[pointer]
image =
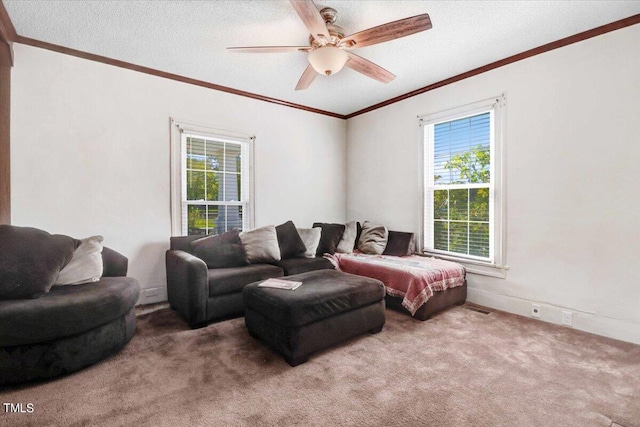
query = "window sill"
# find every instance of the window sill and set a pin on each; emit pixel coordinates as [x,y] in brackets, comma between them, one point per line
[473,267]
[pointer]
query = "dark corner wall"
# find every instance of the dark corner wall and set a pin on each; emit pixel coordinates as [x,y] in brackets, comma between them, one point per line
[6,62]
[5,168]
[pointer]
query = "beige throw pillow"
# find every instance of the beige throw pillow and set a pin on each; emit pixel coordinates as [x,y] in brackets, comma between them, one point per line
[373,239]
[348,240]
[311,239]
[86,264]
[261,244]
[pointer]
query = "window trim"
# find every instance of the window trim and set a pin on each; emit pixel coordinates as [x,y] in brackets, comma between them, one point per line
[178,167]
[498,266]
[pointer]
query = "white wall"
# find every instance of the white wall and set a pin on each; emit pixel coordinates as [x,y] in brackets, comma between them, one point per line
[90,154]
[573,156]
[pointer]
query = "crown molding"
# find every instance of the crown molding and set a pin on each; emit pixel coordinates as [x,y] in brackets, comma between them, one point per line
[7,30]
[166,75]
[616,25]
[8,35]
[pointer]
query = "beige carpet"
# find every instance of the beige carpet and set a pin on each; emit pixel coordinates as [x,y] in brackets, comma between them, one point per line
[461,368]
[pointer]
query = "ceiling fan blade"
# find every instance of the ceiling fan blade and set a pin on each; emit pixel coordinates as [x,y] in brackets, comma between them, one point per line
[307,78]
[269,49]
[308,12]
[388,31]
[368,68]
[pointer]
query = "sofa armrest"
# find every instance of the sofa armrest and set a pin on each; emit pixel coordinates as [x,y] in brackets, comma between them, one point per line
[187,286]
[114,264]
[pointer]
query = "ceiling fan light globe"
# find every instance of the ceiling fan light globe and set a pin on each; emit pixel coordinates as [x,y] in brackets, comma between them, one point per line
[328,59]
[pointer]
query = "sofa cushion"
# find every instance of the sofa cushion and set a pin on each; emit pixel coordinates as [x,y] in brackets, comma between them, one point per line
[322,294]
[231,280]
[302,265]
[373,239]
[30,260]
[85,265]
[311,239]
[400,244]
[221,250]
[66,311]
[261,244]
[348,240]
[330,237]
[289,240]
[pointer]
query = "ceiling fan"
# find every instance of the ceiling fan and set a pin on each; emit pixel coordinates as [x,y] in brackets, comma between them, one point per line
[329,49]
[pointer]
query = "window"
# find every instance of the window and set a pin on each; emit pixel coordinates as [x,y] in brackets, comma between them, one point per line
[211,181]
[462,188]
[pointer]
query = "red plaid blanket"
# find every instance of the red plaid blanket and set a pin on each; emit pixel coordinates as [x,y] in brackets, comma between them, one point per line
[414,278]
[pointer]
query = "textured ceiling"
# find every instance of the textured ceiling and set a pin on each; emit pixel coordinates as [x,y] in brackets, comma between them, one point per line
[189,38]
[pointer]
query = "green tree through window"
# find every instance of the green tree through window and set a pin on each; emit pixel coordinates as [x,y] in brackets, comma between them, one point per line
[461,191]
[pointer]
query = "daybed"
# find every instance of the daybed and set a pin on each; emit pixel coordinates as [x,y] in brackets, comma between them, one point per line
[415,284]
[65,328]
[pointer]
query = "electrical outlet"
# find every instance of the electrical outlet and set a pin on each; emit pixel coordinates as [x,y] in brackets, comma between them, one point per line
[567,318]
[151,292]
[535,310]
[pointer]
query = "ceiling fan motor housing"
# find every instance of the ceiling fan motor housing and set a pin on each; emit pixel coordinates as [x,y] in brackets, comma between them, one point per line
[336,32]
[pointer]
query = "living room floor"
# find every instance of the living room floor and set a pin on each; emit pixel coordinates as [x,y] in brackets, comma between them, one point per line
[460,368]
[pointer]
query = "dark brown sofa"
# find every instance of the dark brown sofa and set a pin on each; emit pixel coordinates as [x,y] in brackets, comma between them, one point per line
[201,295]
[69,327]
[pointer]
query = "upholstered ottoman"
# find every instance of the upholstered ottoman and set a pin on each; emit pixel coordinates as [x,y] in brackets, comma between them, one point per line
[329,307]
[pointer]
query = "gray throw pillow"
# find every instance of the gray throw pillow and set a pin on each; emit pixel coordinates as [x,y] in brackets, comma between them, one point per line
[348,240]
[86,264]
[400,244]
[221,250]
[30,260]
[373,239]
[261,244]
[311,239]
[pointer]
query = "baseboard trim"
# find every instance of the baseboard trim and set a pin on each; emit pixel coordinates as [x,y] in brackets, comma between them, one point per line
[159,296]
[594,323]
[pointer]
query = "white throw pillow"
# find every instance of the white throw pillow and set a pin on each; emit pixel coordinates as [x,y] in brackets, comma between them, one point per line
[348,240]
[261,244]
[311,239]
[86,264]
